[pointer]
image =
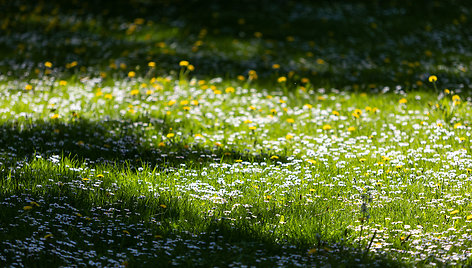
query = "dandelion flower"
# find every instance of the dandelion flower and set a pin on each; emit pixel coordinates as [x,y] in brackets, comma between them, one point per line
[131,74]
[282,79]
[184,63]
[326,127]
[432,78]
[170,135]
[402,101]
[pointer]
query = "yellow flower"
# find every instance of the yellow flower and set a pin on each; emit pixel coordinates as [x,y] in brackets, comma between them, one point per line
[100,176]
[308,106]
[191,67]
[326,127]
[186,108]
[162,206]
[275,66]
[171,102]
[134,92]
[252,128]
[305,80]
[238,161]
[252,75]
[161,144]
[85,179]
[456,125]
[241,78]
[456,98]
[362,160]
[184,63]
[454,212]
[311,161]
[282,79]
[170,135]
[336,113]
[402,101]
[27,207]
[290,120]
[289,137]
[351,129]
[469,217]
[152,64]
[55,116]
[194,102]
[447,91]
[131,74]
[274,157]
[62,83]
[229,90]
[28,87]
[48,64]
[108,96]
[433,79]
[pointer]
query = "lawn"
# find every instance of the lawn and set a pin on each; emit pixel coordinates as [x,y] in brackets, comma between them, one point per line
[235,133]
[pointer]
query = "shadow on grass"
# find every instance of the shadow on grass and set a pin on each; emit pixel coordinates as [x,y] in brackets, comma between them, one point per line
[335,44]
[125,210]
[123,142]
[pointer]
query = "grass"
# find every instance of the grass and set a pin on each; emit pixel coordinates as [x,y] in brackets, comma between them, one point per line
[150,135]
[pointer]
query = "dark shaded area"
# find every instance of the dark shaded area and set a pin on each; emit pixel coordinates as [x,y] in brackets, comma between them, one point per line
[363,44]
[115,142]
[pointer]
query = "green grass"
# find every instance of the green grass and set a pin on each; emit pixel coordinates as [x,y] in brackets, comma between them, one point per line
[345,155]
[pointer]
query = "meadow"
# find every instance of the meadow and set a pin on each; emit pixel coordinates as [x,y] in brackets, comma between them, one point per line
[235,133]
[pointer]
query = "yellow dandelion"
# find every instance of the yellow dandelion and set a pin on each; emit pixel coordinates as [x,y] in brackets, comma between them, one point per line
[288,137]
[311,161]
[28,87]
[163,206]
[55,116]
[171,102]
[134,92]
[282,79]
[63,83]
[454,212]
[108,96]
[402,101]
[326,127]
[274,157]
[275,66]
[351,129]
[152,64]
[27,207]
[290,120]
[432,78]
[469,217]
[48,64]
[170,135]
[336,113]
[184,63]
[131,74]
